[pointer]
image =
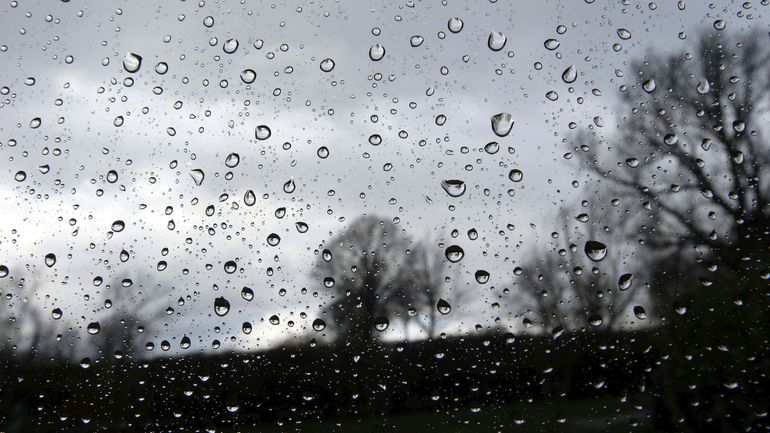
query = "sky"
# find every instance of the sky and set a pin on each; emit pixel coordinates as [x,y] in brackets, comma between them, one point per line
[63,62]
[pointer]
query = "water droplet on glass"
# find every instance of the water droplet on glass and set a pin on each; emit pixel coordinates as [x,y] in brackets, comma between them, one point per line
[35,123]
[492,147]
[595,250]
[443,307]
[569,75]
[454,253]
[319,325]
[232,160]
[416,40]
[274,320]
[649,85]
[247,293]
[132,62]
[516,175]
[262,132]
[455,25]
[376,52]
[184,343]
[248,76]
[624,34]
[496,41]
[551,44]
[502,123]
[20,176]
[453,187]
[221,306]
[625,281]
[327,65]
[197,176]
[118,226]
[703,86]
[56,313]
[323,152]
[230,266]
[273,239]
[230,46]
[482,276]
[246,328]
[289,186]
[301,227]
[93,328]
[249,198]
[640,313]
[381,323]
[50,259]
[161,68]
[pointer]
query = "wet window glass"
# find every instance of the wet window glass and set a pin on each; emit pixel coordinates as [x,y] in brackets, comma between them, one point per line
[418,215]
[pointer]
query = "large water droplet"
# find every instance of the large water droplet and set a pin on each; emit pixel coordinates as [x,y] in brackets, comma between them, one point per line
[502,123]
[247,293]
[248,76]
[249,198]
[93,328]
[569,75]
[649,85]
[624,34]
[625,281]
[50,259]
[516,175]
[230,266]
[274,320]
[197,176]
[640,313]
[132,62]
[289,186]
[376,52]
[455,24]
[262,132]
[56,313]
[319,325]
[443,307]
[492,147]
[482,276]
[232,160]
[273,239]
[551,44]
[118,226]
[703,86]
[416,41]
[453,187]
[221,306]
[327,65]
[381,323]
[230,46]
[496,41]
[595,250]
[454,253]
[184,343]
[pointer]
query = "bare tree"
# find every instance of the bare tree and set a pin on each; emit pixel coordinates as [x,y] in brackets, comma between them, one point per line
[375,272]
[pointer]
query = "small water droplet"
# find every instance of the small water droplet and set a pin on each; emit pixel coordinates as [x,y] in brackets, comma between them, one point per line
[273,239]
[376,52]
[230,266]
[249,198]
[132,62]
[248,76]
[230,46]
[443,307]
[232,160]
[624,34]
[50,259]
[93,328]
[482,276]
[625,281]
[516,175]
[381,323]
[319,325]
[649,85]
[455,24]
[327,65]
[289,186]
[496,41]
[197,176]
[453,187]
[569,75]
[262,132]
[247,293]
[416,40]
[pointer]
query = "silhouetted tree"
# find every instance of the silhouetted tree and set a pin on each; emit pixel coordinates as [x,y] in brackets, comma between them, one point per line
[565,290]
[376,272]
[691,167]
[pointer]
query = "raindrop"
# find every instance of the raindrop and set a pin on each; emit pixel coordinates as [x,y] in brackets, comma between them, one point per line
[197,176]
[132,62]
[289,186]
[50,259]
[118,226]
[274,320]
[221,306]
[323,152]
[301,227]
[248,76]
[516,175]
[273,239]
[454,253]
[443,307]
[640,313]
[161,68]
[327,65]
[184,343]
[93,328]
[247,293]
[35,123]
[375,139]
[56,313]
[502,123]
[262,132]
[232,160]
[569,75]
[492,147]
[551,44]
[595,250]
[649,85]
[482,276]
[319,325]
[703,86]
[496,41]
[381,323]
[246,328]
[20,176]
[376,52]
[453,187]
[249,198]
[230,46]
[416,40]
[455,25]
[624,34]
[230,266]
[625,281]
